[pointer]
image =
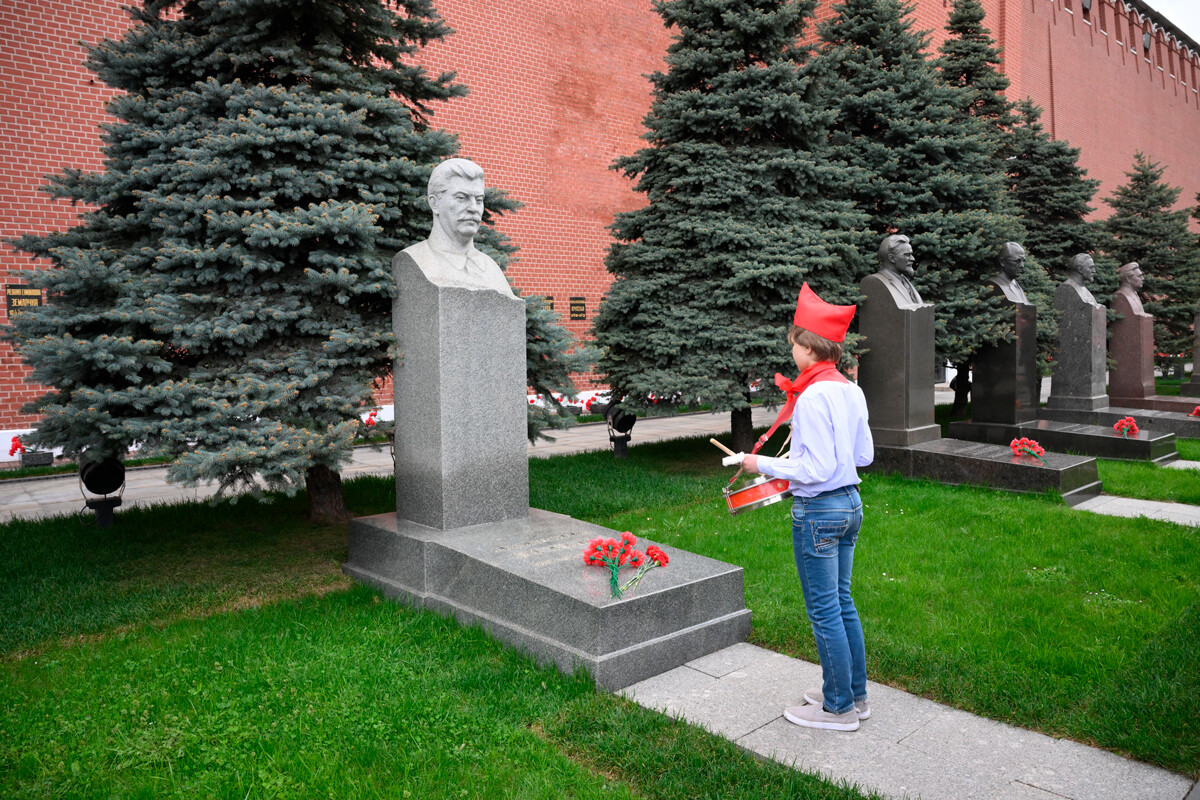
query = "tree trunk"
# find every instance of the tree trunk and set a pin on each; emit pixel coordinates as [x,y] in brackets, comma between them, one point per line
[742,428]
[326,503]
[962,389]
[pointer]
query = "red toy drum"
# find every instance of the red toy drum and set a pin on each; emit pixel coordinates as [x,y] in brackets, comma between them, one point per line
[762,491]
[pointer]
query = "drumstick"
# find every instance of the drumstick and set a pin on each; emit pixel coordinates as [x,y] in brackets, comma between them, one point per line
[723,447]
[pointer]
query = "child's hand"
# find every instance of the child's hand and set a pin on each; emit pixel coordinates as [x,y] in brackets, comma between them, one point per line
[750,463]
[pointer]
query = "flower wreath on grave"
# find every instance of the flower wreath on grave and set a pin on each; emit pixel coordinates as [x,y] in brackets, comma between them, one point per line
[1126,427]
[614,554]
[1028,447]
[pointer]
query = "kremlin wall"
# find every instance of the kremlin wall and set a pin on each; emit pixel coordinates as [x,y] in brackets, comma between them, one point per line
[558,91]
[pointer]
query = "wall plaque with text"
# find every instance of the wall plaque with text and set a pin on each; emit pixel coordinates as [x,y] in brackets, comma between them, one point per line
[578,308]
[18,298]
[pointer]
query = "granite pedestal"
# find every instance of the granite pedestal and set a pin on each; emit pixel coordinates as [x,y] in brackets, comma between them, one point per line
[1192,387]
[1131,380]
[1004,387]
[524,581]
[463,350]
[958,462]
[1080,368]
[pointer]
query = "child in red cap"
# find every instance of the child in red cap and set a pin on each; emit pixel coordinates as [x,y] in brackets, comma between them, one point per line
[830,439]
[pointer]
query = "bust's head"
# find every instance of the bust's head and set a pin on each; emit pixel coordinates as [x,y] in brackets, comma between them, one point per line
[1011,260]
[1131,276]
[896,255]
[1082,268]
[455,196]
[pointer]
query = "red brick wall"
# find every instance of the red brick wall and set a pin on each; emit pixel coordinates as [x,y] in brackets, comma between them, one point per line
[1103,98]
[558,92]
[50,106]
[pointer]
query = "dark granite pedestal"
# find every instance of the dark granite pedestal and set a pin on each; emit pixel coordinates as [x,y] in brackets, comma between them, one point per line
[524,580]
[1181,425]
[1073,437]
[958,462]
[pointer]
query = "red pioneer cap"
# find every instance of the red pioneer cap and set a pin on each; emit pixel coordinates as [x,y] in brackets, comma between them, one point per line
[824,319]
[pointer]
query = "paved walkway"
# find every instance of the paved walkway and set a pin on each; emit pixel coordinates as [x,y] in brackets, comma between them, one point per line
[909,748]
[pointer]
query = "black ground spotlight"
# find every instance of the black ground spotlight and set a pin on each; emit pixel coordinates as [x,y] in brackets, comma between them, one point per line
[103,478]
[620,423]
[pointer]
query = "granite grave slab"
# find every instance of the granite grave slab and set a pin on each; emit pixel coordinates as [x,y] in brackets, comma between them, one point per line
[524,581]
[1074,437]
[959,462]
[1181,425]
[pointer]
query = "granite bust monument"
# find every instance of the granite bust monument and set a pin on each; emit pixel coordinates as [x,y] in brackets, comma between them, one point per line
[461,332]
[1132,279]
[1079,365]
[897,267]
[1132,342]
[1004,385]
[896,372]
[1081,270]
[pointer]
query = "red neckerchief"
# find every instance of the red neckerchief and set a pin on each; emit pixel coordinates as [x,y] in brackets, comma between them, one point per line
[821,371]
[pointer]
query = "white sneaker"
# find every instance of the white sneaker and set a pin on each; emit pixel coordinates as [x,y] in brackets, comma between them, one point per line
[816,697]
[812,716]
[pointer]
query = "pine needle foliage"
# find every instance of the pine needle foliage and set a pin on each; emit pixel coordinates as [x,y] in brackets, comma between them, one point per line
[1144,228]
[1051,190]
[970,60]
[741,210]
[925,166]
[227,299]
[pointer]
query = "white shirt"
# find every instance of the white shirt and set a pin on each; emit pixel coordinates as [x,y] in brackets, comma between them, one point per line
[830,439]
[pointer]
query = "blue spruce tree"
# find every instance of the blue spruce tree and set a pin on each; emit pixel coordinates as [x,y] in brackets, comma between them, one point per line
[740,213]
[228,300]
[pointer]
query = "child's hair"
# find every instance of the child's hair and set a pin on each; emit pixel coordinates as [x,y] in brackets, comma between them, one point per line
[822,348]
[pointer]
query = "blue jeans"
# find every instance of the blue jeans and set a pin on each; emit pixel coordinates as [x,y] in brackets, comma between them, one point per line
[824,531]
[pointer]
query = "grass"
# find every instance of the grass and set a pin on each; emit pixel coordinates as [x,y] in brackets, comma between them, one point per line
[209,651]
[1145,481]
[1014,607]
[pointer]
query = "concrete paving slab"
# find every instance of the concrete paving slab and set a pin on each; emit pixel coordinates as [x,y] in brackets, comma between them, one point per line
[1128,507]
[1181,464]
[730,708]
[910,747]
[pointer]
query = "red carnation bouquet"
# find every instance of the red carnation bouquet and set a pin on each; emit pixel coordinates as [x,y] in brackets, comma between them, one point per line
[17,447]
[614,554]
[1195,412]
[1126,427]
[1027,447]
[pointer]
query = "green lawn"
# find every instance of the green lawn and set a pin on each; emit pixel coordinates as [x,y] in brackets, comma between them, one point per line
[217,650]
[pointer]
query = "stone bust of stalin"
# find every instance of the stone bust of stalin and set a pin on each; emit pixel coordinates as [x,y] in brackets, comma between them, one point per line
[449,257]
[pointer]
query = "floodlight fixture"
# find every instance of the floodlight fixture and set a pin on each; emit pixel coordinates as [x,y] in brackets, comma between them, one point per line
[104,478]
[620,423]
